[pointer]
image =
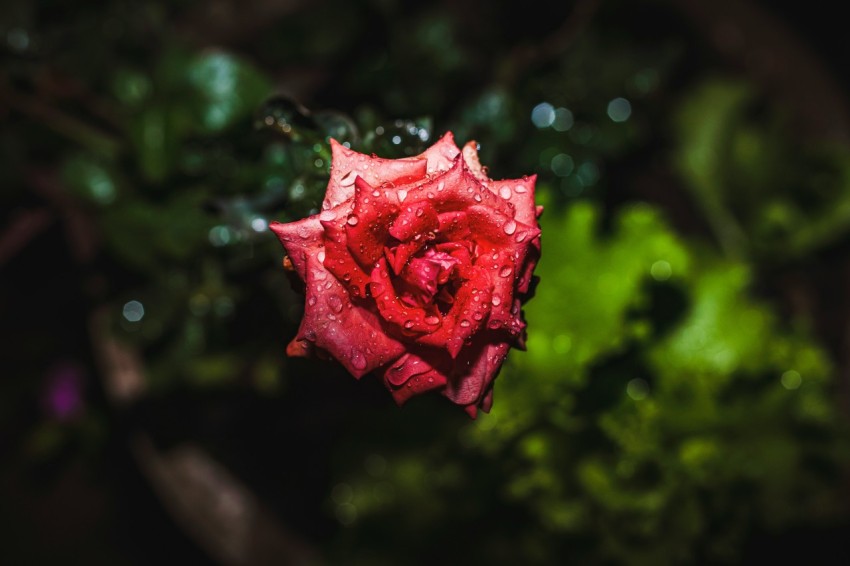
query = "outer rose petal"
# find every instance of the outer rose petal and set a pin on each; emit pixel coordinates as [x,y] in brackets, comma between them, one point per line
[347,165]
[458,189]
[481,362]
[352,334]
[441,155]
[411,375]
[300,239]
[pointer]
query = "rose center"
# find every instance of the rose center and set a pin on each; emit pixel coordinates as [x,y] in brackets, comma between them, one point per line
[426,279]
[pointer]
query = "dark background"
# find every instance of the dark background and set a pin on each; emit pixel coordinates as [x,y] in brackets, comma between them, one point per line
[80,485]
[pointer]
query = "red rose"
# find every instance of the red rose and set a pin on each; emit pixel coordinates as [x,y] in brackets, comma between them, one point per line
[416,269]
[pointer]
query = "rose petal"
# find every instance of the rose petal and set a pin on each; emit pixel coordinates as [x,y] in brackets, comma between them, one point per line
[500,230]
[411,375]
[470,156]
[354,335]
[338,260]
[441,155]
[299,239]
[399,255]
[415,219]
[469,312]
[347,165]
[368,225]
[458,189]
[410,320]
[475,369]
[520,193]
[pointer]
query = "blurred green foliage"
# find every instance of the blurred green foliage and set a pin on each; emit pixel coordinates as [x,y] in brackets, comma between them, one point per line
[658,412]
[663,411]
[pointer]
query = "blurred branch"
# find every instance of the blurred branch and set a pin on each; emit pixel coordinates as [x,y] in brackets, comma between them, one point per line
[525,56]
[120,365]
[222,514]
[21,231]
[752,38]
[82,236]
[68,126]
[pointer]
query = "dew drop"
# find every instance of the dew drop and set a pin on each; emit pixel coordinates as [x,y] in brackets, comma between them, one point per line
[376,193]
[496,301]
[408,324]
[509,227]
[441,186]
[358,360]
[430,194]
[402,194]
[494,325]
[310,335]
[465,323]
[521,236]
[432,320]
[505,271]
[303,232]
[419,212]
[353,220]
[321,256]
[335,303]
[477,197]
[477,315]
[312,300]
[505,192]
[520,189]
[327,215]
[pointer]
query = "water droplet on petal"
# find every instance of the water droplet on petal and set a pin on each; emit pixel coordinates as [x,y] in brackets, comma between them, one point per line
[312,300]
[477,315]
[477,197]
[408,324]
[402,194]
[353,220]
[494,325]
[419,212]
[310,335]
[358,360]
[509,227]
[376,193]
[465,323]
[521,236]
[496,301]
[335,303]
[441,186]
[520,189]
[505,192]
[505,271]
[432,320]
[321,256]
